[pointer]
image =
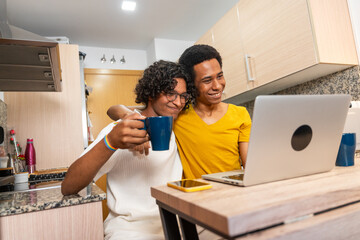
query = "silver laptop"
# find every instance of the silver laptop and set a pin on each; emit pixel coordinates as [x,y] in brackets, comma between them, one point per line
[291,136]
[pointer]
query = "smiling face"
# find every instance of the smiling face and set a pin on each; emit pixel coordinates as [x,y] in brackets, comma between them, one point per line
[209,82]
[161,106]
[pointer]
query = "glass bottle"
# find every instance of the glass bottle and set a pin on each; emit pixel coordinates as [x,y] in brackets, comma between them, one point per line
[30,156]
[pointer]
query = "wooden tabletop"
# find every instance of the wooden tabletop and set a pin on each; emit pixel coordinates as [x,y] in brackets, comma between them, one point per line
[233,210]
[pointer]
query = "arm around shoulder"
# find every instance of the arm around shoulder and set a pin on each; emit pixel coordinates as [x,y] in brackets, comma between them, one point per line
[116,112]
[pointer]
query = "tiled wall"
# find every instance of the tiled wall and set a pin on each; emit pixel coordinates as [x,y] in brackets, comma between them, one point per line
[344,82]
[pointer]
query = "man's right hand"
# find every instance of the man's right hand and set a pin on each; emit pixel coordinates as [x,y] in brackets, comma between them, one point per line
[127,134]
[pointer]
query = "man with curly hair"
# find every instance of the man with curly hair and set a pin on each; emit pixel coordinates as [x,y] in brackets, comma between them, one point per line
[133,212]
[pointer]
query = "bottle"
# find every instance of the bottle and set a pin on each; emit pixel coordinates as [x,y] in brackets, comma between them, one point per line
[30,156]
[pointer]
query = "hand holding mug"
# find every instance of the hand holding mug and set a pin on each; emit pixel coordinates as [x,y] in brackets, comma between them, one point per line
[126,133]
[159,129]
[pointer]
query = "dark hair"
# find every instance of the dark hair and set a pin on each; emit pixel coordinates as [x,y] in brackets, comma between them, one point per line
[158,78]
[197,54]
[194,55]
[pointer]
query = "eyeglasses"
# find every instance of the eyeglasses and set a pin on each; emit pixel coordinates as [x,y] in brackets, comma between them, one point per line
[184,97]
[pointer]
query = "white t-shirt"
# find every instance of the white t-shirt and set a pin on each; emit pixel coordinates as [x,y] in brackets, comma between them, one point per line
[133,212]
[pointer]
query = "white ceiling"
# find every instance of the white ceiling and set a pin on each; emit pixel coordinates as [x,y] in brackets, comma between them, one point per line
[102,23]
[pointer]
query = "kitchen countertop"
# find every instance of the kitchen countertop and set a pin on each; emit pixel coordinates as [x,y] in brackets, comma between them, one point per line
[12,203]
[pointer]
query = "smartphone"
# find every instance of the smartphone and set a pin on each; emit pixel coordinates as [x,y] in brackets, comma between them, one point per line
[187,185]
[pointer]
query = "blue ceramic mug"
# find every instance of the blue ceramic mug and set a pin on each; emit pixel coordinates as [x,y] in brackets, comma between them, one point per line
[159,129]
[346,152]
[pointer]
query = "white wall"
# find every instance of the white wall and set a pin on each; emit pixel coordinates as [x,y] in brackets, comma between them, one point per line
[167,49]
[135,59]
[2,96]
[151,53]
[354,7]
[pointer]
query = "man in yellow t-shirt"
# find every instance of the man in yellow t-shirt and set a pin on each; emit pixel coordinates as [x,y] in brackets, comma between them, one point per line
[211,135]
[211,148]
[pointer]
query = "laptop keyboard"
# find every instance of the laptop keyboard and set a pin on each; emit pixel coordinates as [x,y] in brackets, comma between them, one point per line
[239,177]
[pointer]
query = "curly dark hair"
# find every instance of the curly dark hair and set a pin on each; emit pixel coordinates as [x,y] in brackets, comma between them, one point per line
[159,78]
[194,55]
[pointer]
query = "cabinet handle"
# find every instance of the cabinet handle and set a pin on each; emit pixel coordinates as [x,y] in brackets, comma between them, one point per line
[250,78]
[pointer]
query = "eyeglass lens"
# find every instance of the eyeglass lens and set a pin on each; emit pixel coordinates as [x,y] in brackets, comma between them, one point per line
[184,97]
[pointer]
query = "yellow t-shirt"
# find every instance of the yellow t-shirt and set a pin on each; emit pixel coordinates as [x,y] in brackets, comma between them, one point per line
[211,148]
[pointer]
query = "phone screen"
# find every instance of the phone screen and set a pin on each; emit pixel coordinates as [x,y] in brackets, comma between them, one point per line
[189,183]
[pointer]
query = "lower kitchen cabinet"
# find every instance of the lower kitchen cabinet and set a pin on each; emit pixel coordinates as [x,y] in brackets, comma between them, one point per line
[82,221]
[47,214]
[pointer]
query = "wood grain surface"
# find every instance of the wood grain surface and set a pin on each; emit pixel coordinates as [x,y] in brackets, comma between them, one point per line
[233,210]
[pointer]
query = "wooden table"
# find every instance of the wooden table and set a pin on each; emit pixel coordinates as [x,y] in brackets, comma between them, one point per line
[320,206]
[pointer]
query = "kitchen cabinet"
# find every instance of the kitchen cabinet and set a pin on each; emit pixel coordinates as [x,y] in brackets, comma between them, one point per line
[47,214]
[82,221]
[52,119]
[231,49]
[225,36]
[271,45]
[29,66]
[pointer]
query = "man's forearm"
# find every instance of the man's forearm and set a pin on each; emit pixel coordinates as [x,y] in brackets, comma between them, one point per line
[243,149]
[83,170]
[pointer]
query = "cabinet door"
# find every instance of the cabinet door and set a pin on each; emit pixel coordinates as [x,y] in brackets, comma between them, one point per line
[228,41]
[334,34]
[52,119]
[277,36]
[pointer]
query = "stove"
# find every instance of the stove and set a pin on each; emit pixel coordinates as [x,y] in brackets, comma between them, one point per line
[36,181]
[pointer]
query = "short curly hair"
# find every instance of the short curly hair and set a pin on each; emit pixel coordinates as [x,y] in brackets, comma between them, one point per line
[159,78]
[197,54]
[194,55]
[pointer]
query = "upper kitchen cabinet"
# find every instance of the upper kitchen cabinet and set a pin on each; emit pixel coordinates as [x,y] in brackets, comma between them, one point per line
[225,36]
[52,119]
[279,44]
[227,40]
[277,37]
[293,41]
[30,66]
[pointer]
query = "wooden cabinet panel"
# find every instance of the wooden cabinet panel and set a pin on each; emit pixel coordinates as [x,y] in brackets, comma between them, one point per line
[228,41]
[277,36]
[52,119]
[82,221]
[287,43]
[333,31]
